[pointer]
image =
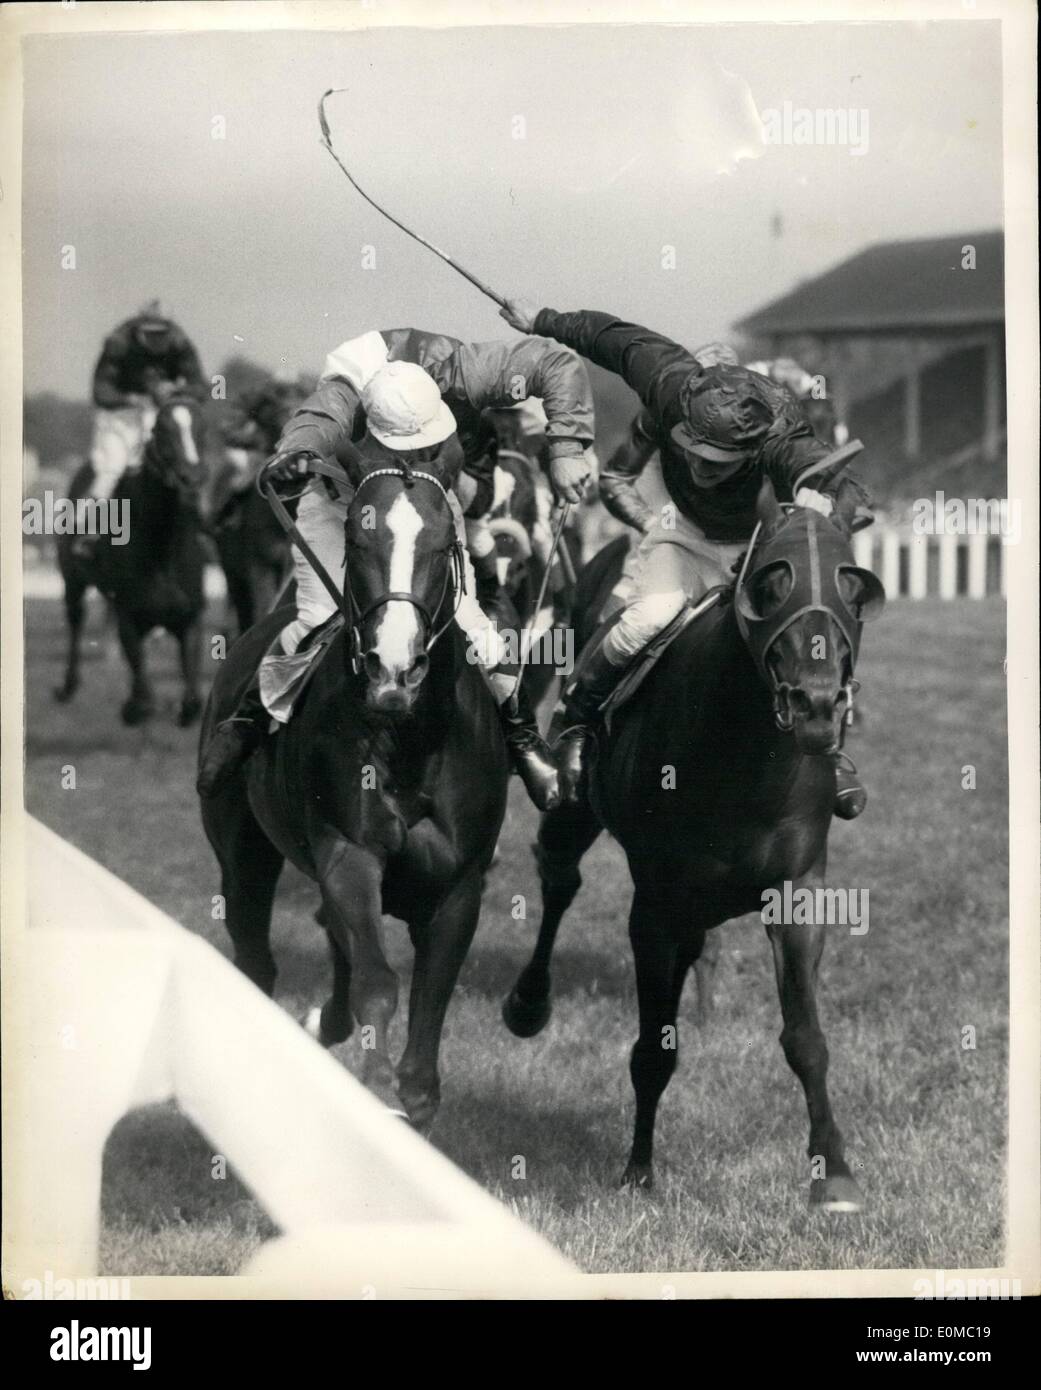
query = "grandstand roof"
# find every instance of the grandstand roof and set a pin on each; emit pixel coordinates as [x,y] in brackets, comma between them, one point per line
[896,286]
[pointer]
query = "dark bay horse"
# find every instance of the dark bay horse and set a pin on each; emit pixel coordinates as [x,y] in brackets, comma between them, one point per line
[155,579]
[710,780]
[387,787]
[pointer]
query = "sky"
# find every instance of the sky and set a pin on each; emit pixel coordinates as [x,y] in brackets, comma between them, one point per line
[553,162]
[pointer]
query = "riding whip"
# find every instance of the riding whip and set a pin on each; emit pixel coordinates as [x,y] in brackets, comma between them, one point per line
[328,143]
[558,532]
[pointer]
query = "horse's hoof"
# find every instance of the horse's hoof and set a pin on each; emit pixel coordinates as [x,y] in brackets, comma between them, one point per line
[64,693]
[312,1024]
[838,1193]
[135,712]
[639,1175]
[189,712]
[524,1018]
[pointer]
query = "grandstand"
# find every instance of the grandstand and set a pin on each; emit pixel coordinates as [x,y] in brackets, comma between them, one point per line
[910,337]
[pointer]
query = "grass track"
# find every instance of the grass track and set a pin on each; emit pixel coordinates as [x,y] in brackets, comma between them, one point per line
[924,1120]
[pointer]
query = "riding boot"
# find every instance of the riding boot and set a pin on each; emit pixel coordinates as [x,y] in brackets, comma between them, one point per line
[850,796]
[595,681]
[234,741]
[529,753]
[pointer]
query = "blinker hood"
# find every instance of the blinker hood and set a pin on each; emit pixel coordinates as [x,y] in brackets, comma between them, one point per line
[815,556]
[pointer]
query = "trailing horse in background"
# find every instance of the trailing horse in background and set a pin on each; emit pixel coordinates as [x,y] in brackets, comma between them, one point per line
[709,779]
[387,786]
[519,519]
[154,579]
[252,547]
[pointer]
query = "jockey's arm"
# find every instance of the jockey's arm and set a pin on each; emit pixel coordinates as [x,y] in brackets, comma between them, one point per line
[503,374]
[107,393]
[785,457]
[188,369]
[653,365]
[323,421]
[619,475]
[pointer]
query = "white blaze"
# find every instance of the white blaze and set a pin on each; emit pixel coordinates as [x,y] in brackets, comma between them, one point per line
[182,418]
[400,619]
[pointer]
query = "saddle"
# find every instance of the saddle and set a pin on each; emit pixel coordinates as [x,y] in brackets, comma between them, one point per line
[283,679]
[645,660]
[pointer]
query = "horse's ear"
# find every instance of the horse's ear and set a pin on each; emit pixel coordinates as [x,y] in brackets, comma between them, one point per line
[767,507]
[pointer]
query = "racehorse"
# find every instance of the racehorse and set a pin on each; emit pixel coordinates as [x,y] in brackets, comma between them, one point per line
[387,786]
[515,521]
[154,579]
[253,553]
[710,780]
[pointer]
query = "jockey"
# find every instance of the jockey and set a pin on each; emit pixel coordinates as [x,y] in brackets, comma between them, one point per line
[720,430]
[145,360]
[396,393]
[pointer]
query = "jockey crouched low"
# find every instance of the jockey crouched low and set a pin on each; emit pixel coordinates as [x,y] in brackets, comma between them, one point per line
[405,394]
[719,430]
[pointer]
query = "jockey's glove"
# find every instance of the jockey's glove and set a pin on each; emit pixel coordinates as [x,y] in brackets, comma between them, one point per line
[287,469]
[569,475]
[807,497]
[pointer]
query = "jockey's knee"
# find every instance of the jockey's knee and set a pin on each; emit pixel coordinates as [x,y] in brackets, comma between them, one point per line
[642,620]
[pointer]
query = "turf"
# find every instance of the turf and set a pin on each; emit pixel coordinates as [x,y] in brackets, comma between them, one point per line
[924,1117]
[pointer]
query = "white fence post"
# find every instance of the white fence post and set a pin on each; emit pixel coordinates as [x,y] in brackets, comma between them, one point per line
[948,566]
[977,577]
[124,1008]
[891,562]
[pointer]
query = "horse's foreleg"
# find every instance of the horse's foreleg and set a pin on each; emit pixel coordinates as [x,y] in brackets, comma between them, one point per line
[141,704]
[189,642]
[74,614]
[441,946]
[564,836]
[250,866]
[351,879]
[661,968]
[333,1022]
[797,952]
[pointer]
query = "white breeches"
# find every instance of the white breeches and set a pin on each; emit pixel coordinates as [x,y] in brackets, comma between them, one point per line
[320,520]
[119,441]
[669,566]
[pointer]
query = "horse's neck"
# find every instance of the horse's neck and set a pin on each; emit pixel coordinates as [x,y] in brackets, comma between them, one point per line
[735,714]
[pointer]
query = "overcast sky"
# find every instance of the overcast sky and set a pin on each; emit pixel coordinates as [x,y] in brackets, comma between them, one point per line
[634,138]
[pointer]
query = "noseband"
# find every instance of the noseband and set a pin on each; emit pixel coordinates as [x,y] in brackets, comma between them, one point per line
[356,616]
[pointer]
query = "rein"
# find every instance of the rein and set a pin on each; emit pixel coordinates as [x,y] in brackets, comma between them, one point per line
[344,600]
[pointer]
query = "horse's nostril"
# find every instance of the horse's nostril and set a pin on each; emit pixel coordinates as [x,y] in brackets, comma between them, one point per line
[372,665]
[417,670]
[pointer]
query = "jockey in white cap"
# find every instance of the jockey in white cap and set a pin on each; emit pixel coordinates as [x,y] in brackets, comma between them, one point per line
[376,393]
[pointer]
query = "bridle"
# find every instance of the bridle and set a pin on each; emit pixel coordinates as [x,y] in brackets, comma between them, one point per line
[356,616]
[816,592]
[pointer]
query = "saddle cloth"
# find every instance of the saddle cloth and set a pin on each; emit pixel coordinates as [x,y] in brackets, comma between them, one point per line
[283,679]
[644,662]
